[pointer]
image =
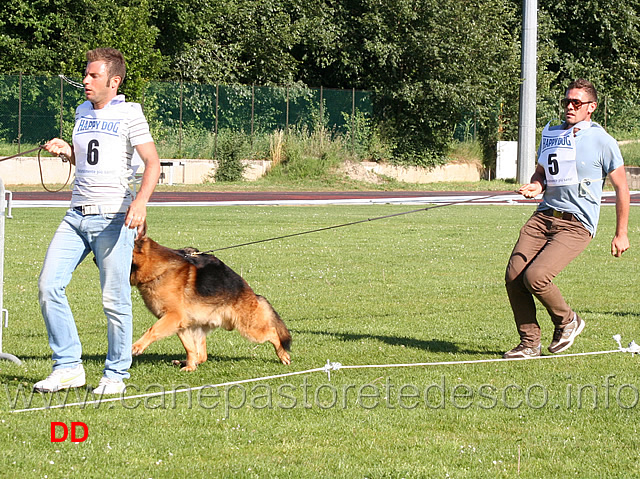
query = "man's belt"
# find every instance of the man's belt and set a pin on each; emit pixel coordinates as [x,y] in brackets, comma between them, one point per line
[559,214]
[99,209]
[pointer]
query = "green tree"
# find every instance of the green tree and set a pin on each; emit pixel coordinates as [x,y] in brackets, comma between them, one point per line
[41,37]
[432,61]
[129,28]
[601,43]
[229,41]
[431,64]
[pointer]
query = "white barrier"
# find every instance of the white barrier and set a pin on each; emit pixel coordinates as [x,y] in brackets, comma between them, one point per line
[4,314]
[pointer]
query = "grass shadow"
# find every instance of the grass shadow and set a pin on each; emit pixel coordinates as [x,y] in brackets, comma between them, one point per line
[98,361]
[169,358]
[433,345]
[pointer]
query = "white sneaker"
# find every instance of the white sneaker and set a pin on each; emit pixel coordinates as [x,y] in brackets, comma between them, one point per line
[110,386]
[62,378]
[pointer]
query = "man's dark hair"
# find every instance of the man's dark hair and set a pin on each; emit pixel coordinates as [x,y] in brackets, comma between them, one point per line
[586,85]
[113,59]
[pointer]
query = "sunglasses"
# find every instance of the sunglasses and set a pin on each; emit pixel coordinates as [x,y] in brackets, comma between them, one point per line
[577,104]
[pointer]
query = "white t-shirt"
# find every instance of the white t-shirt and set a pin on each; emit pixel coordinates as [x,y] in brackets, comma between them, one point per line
[103,144]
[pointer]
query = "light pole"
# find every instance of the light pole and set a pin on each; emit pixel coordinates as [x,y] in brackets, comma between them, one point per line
[527,124]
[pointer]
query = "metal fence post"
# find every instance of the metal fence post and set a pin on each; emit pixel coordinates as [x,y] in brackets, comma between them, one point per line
[19,109]
[253,111]
[215,134]
[61,103]
[287,108]
[321,118]
[180,130]
[353,121]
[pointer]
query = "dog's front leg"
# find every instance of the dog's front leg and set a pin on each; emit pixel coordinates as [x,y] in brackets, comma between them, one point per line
[169,324]
[194,341]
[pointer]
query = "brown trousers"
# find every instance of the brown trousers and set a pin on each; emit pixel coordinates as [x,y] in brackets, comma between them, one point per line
[545,247]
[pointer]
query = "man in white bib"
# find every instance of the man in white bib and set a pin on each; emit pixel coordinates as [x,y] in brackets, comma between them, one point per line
[103,219]
[574,159]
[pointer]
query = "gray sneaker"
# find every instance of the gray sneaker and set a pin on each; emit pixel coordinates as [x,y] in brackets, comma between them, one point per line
[523,352]
[563,338]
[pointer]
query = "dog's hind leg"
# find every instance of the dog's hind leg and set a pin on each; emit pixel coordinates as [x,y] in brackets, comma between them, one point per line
[264,324]
[282,353]
[166,326]
[280,336]
[194,341]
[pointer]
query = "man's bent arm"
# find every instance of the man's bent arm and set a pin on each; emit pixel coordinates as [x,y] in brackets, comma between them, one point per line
[535,185]
[620,242]
[137,213]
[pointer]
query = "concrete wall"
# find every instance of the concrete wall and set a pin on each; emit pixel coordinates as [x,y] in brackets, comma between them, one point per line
[633,177]
[414,174]
[25,171]
[191,172]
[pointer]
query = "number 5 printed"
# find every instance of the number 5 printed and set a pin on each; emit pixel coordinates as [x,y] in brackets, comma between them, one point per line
[554,168]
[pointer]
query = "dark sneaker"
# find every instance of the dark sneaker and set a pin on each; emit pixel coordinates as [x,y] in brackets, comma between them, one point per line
[522,352]
[563,338]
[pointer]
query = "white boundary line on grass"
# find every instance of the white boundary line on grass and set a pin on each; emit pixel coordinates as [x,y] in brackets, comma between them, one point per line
[331,366]
[162,393]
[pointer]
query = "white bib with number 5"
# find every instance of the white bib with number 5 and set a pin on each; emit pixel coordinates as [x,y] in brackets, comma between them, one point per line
[558,157]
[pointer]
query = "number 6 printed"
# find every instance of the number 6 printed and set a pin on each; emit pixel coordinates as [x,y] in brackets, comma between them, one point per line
[92,152]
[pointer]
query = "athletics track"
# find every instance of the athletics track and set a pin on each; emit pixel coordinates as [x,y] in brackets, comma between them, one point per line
[163,198]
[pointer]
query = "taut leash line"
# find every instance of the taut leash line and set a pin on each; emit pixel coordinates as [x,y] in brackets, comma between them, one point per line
[352,223]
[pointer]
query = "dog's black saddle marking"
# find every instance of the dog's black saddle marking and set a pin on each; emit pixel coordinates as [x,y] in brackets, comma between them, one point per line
[213,277]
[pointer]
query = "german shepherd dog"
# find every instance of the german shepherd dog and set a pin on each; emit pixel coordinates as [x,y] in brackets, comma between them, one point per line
[191,294]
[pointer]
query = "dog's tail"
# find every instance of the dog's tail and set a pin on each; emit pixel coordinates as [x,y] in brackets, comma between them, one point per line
[276,321]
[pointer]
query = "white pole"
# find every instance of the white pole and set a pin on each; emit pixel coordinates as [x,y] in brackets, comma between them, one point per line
[4,314]
[527,127]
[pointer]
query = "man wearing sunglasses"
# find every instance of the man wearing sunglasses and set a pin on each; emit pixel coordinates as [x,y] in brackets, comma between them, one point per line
[574,159]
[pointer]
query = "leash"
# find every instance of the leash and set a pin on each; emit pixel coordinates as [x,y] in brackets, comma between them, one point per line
[39,150]
[22,153]
[348,224]
[71,82]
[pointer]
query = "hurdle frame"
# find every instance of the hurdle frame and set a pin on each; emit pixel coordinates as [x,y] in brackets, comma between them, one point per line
[4,313]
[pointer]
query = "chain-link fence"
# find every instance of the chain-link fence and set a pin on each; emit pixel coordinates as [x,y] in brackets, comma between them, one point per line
[35,109]
[188,120]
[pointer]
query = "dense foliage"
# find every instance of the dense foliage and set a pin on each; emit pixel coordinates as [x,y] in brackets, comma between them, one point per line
[430,64]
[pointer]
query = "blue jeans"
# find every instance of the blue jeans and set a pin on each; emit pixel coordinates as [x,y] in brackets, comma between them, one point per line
[112,245]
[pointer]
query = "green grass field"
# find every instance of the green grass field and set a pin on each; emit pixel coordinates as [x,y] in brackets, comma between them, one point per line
[424,287]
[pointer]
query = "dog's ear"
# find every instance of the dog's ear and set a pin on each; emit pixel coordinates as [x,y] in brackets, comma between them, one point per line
[142,231]
[140,238]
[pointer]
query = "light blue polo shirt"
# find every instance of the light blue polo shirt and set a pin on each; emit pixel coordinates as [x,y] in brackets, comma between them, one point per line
[597,155]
